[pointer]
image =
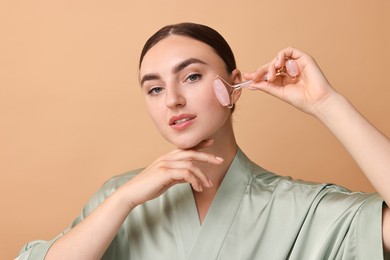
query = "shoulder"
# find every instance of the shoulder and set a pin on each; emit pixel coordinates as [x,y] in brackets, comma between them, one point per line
[277,185]
[110,186]
[265,181]
[115,182]
[324,201]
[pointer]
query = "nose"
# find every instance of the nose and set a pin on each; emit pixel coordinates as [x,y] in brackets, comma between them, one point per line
[174,97]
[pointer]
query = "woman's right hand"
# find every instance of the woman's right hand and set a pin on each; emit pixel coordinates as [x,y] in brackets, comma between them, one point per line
[178,166]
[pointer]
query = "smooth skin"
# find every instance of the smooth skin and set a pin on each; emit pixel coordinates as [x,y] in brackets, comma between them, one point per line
[176,77]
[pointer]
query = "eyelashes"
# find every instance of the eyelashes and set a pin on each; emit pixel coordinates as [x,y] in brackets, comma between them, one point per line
[155,91]
[190,79]
[194,77]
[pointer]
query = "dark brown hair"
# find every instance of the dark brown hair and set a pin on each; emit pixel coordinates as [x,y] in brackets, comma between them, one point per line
[198,32]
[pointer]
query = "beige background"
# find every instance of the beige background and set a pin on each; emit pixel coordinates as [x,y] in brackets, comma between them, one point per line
[72,115]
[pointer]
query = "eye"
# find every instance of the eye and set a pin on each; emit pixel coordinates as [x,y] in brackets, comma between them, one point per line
[194,77]
[155,91]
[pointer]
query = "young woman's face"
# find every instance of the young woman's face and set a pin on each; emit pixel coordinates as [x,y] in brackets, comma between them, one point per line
[176,78]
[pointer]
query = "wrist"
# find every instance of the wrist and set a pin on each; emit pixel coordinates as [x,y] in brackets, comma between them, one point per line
[330,107]
[124,196]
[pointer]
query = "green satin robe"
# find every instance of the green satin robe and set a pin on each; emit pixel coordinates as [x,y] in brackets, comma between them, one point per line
[255,215]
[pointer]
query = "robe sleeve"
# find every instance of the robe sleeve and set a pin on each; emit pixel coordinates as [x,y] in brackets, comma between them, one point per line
[36,250]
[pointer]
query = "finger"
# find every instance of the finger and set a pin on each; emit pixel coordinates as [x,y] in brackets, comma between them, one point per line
[259,75]
[248,75]
[182,175]
[280,59]
[286,54]
[271,75]
[191,168]
[192,155]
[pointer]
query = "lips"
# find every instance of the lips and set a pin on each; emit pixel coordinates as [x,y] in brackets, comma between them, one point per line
[181,119]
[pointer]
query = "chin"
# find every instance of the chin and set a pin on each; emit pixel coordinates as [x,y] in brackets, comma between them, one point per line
[186,144]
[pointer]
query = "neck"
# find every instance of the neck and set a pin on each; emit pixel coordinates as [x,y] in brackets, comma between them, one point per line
[216,174]
[224,147]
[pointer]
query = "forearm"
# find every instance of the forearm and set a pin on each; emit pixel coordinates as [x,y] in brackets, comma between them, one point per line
[366,144]
[91,237]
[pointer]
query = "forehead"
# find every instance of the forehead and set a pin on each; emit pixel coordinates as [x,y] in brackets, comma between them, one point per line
[173,50]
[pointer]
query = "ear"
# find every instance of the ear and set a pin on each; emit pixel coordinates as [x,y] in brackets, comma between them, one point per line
[236,78]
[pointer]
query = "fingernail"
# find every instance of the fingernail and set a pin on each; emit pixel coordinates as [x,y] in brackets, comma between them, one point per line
[210,183]
[219,158]
[247,75]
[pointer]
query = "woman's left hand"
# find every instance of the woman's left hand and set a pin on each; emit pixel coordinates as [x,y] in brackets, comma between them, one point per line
[307,88]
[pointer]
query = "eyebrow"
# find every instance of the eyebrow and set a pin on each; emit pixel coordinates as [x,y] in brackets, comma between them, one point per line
[179,67]
[149,77]
[182,65]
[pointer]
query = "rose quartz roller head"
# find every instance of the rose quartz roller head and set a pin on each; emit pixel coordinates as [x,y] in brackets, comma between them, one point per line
[222,93]
[220,85]
[292,68]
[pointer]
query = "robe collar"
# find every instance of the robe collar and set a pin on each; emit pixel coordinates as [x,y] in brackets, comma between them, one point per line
[196,241]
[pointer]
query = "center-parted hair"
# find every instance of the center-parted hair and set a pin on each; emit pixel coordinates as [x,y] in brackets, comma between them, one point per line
[198,32]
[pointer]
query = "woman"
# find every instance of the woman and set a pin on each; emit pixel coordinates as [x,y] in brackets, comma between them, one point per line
[228,207]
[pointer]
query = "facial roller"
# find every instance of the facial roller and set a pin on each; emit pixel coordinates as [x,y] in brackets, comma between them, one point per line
[222,93]
[220,85]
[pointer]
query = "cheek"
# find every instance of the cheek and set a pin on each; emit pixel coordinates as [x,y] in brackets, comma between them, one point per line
[210,100]
[155,112]
[212,109]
